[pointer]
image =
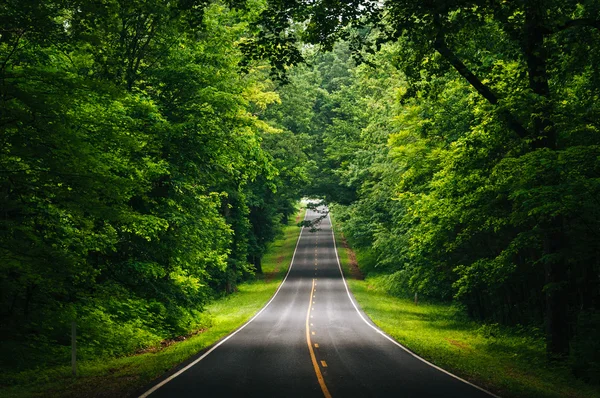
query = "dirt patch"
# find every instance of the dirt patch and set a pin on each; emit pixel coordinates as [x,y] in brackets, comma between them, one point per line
[102,387]
[270,275]
[353,266]
[458,344]
[169,342]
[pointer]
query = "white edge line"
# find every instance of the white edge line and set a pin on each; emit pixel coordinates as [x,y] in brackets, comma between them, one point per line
[387,336]
[168,379]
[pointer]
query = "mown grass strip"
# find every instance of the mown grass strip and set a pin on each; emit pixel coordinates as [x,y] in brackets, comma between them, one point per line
[122,377]
[510,362]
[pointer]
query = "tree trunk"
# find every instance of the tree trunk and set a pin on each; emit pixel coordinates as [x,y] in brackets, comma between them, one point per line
[257,260]
[557,308]
[557,325]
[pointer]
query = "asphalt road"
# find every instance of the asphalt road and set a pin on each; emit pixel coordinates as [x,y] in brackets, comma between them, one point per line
[312,341]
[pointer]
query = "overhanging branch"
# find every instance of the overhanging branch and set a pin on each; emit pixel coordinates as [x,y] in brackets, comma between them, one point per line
[461,68]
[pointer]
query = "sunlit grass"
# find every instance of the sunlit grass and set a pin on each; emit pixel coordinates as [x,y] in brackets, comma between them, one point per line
[122,377]
[507,361]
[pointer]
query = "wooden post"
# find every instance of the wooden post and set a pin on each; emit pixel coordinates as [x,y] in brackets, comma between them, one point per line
[74,348]
[416,299]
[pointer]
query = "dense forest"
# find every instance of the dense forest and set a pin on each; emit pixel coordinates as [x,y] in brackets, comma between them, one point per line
[463,152]
[150,150]
[137,179]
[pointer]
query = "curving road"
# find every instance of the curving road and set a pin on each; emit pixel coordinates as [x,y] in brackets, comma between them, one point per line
[311,340]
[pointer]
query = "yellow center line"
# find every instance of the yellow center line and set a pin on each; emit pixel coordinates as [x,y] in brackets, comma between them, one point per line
[312,351]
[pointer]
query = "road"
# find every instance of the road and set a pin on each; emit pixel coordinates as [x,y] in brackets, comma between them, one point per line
[311,340]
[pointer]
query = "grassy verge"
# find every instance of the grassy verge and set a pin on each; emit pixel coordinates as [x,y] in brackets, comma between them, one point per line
[122,377]
[507,361]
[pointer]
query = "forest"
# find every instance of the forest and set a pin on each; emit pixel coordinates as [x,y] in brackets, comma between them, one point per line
[151,150]
[138,177]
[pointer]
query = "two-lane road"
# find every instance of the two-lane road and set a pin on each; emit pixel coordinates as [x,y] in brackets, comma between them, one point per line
[311,340]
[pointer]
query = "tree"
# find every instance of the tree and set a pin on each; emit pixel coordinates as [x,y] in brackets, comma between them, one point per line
[509,53]
[132,163]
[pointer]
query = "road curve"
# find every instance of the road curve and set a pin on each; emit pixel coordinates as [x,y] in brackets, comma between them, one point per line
[311,340]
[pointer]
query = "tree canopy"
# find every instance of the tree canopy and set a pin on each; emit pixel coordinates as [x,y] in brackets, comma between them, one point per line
[150,151]
[138,178]
[463,149]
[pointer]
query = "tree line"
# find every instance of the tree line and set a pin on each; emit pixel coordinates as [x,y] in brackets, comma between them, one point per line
[459,140]
[138,177]
[149,154]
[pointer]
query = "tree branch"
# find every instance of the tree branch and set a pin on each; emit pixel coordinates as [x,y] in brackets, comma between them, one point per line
[12,51]
[461,68]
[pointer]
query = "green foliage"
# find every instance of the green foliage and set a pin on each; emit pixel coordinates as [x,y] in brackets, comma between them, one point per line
[145,163]
[137,178]
[510,361]
[507,360]
[464,156]
[126,375]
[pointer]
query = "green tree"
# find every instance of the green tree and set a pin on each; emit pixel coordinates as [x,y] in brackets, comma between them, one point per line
[517,57]
[131,165]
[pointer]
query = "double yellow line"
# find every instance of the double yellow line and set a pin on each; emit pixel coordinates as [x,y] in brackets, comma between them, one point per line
[310,347]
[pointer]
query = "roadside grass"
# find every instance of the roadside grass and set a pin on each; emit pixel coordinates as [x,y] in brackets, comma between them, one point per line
[508,361]
[122,377]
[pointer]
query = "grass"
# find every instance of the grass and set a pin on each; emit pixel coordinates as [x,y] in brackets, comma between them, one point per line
[510,362]
[122,377]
